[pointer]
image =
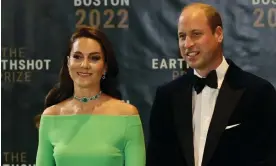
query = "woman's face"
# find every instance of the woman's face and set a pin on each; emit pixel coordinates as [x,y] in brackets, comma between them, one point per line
[86,62]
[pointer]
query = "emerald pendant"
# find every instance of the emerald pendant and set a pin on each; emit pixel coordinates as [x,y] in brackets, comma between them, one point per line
[86,99]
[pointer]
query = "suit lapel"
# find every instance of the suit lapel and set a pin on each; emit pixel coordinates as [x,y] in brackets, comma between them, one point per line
[182,103]
[229,96]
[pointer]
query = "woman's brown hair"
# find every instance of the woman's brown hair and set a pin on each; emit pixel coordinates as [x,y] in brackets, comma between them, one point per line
[64,89]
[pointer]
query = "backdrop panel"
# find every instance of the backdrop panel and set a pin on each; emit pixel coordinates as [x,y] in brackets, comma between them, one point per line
[35,34]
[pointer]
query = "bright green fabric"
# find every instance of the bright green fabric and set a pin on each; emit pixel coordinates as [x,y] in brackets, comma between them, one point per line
[90,140]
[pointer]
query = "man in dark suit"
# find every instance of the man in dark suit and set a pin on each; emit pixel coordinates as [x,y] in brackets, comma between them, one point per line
[216,114]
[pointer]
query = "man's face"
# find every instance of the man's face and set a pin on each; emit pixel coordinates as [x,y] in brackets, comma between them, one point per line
[198,44]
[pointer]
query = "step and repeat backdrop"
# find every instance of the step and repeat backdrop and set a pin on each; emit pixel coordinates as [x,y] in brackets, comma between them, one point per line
[35,34]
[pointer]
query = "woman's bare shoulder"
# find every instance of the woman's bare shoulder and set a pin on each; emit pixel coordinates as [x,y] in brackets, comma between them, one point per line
[52,110]
[124,108]
[55,109]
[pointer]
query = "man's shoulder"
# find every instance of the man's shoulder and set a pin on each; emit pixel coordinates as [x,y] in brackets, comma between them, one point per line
[244,78]
[254,80]
[250,80]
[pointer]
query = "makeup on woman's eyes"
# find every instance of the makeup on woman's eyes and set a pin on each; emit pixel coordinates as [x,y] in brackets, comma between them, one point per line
[95,56]
[76,56]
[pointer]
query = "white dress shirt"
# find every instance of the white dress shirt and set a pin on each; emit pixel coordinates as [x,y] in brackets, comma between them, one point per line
[203,108]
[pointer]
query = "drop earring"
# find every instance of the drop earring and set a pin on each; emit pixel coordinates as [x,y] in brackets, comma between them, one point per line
[103,77]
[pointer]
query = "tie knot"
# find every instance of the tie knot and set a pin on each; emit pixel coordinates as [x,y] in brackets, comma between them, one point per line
[210,80]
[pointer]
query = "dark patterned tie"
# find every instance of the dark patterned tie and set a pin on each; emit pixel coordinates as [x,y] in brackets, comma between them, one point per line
[210,80]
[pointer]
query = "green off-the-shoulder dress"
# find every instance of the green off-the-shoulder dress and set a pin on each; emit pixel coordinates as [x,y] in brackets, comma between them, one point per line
[90,140]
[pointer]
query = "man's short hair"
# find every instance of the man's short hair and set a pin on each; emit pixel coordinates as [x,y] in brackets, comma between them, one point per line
[213,16]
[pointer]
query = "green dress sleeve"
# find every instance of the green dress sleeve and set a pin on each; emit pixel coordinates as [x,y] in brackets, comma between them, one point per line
[135,145]
[45,149]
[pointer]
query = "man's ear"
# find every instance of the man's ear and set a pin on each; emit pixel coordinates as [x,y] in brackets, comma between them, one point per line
[219,34]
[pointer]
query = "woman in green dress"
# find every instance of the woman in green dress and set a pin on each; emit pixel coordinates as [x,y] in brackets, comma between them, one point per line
[85,123]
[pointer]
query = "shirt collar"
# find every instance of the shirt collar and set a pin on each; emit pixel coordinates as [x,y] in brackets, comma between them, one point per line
[221,71]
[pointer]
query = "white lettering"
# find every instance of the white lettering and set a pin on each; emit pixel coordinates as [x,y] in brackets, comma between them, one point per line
[18,165]
[39,64]
[13,65]
[4,62]
[154,63]
[77,2]
[163,64]
[180,63]
[26,64]
[47,63]
[176,74]
[87,2]
[105,2]
[30,65]
[21,65]
[172,63]
[115,2]
[124,2]
[97,3]
[263,2]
